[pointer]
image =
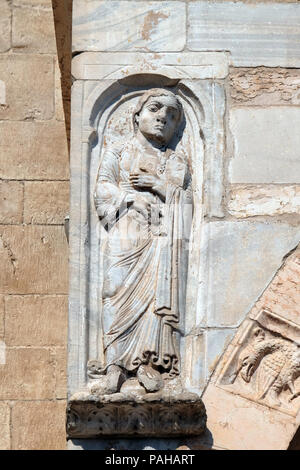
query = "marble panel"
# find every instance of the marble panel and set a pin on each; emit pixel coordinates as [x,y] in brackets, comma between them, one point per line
[255,34]
[128,25]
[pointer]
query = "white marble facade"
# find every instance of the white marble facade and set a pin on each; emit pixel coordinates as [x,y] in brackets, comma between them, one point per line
[124,48]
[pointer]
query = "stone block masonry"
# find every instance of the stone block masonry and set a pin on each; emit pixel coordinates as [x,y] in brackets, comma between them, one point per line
[34,199]
[23,101]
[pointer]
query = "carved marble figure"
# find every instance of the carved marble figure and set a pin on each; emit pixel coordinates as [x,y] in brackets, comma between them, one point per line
[277,362]
[143,198]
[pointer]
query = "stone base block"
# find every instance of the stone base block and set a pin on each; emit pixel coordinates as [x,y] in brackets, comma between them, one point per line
[149,416]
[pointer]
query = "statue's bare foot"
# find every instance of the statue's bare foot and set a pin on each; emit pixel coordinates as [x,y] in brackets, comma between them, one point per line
[149,378]
[114,377]
[110,383]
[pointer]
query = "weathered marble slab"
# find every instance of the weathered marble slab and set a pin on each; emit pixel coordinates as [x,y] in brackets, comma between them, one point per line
[256,200]
[238,262]
[117,65]
[257,381]
[205,347]
[128,25]
[255,34]
[237,424]
[266,145]
[217,340]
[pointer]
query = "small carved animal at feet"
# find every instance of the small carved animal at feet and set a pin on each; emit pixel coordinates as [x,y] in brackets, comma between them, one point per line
[94,369]
[110,383]
[149,378]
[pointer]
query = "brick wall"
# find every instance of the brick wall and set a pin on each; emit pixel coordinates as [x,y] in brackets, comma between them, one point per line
[34,170]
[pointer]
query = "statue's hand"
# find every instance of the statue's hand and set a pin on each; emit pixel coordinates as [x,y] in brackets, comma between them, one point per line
[142,181]
[150,182]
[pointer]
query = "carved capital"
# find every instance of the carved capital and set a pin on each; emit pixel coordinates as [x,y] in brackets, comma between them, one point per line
[122,417]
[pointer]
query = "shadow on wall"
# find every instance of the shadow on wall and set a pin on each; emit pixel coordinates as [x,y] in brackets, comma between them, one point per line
[62,12]
[295,442]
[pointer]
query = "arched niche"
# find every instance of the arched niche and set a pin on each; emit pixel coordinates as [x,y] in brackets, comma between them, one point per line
[106,117]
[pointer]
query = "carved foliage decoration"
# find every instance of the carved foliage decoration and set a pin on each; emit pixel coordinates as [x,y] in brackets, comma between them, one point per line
[157,419]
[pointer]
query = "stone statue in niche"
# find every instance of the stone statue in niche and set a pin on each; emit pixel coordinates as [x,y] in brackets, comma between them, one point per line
[143,198]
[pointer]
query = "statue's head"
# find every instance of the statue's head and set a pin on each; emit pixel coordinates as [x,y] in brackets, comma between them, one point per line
[158,115]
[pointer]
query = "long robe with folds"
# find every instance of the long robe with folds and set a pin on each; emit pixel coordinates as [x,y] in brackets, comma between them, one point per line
[145,262]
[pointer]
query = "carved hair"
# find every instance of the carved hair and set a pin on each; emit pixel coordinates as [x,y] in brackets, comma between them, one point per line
[152,93]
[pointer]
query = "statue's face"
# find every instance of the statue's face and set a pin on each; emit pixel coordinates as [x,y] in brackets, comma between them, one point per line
[158,119]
